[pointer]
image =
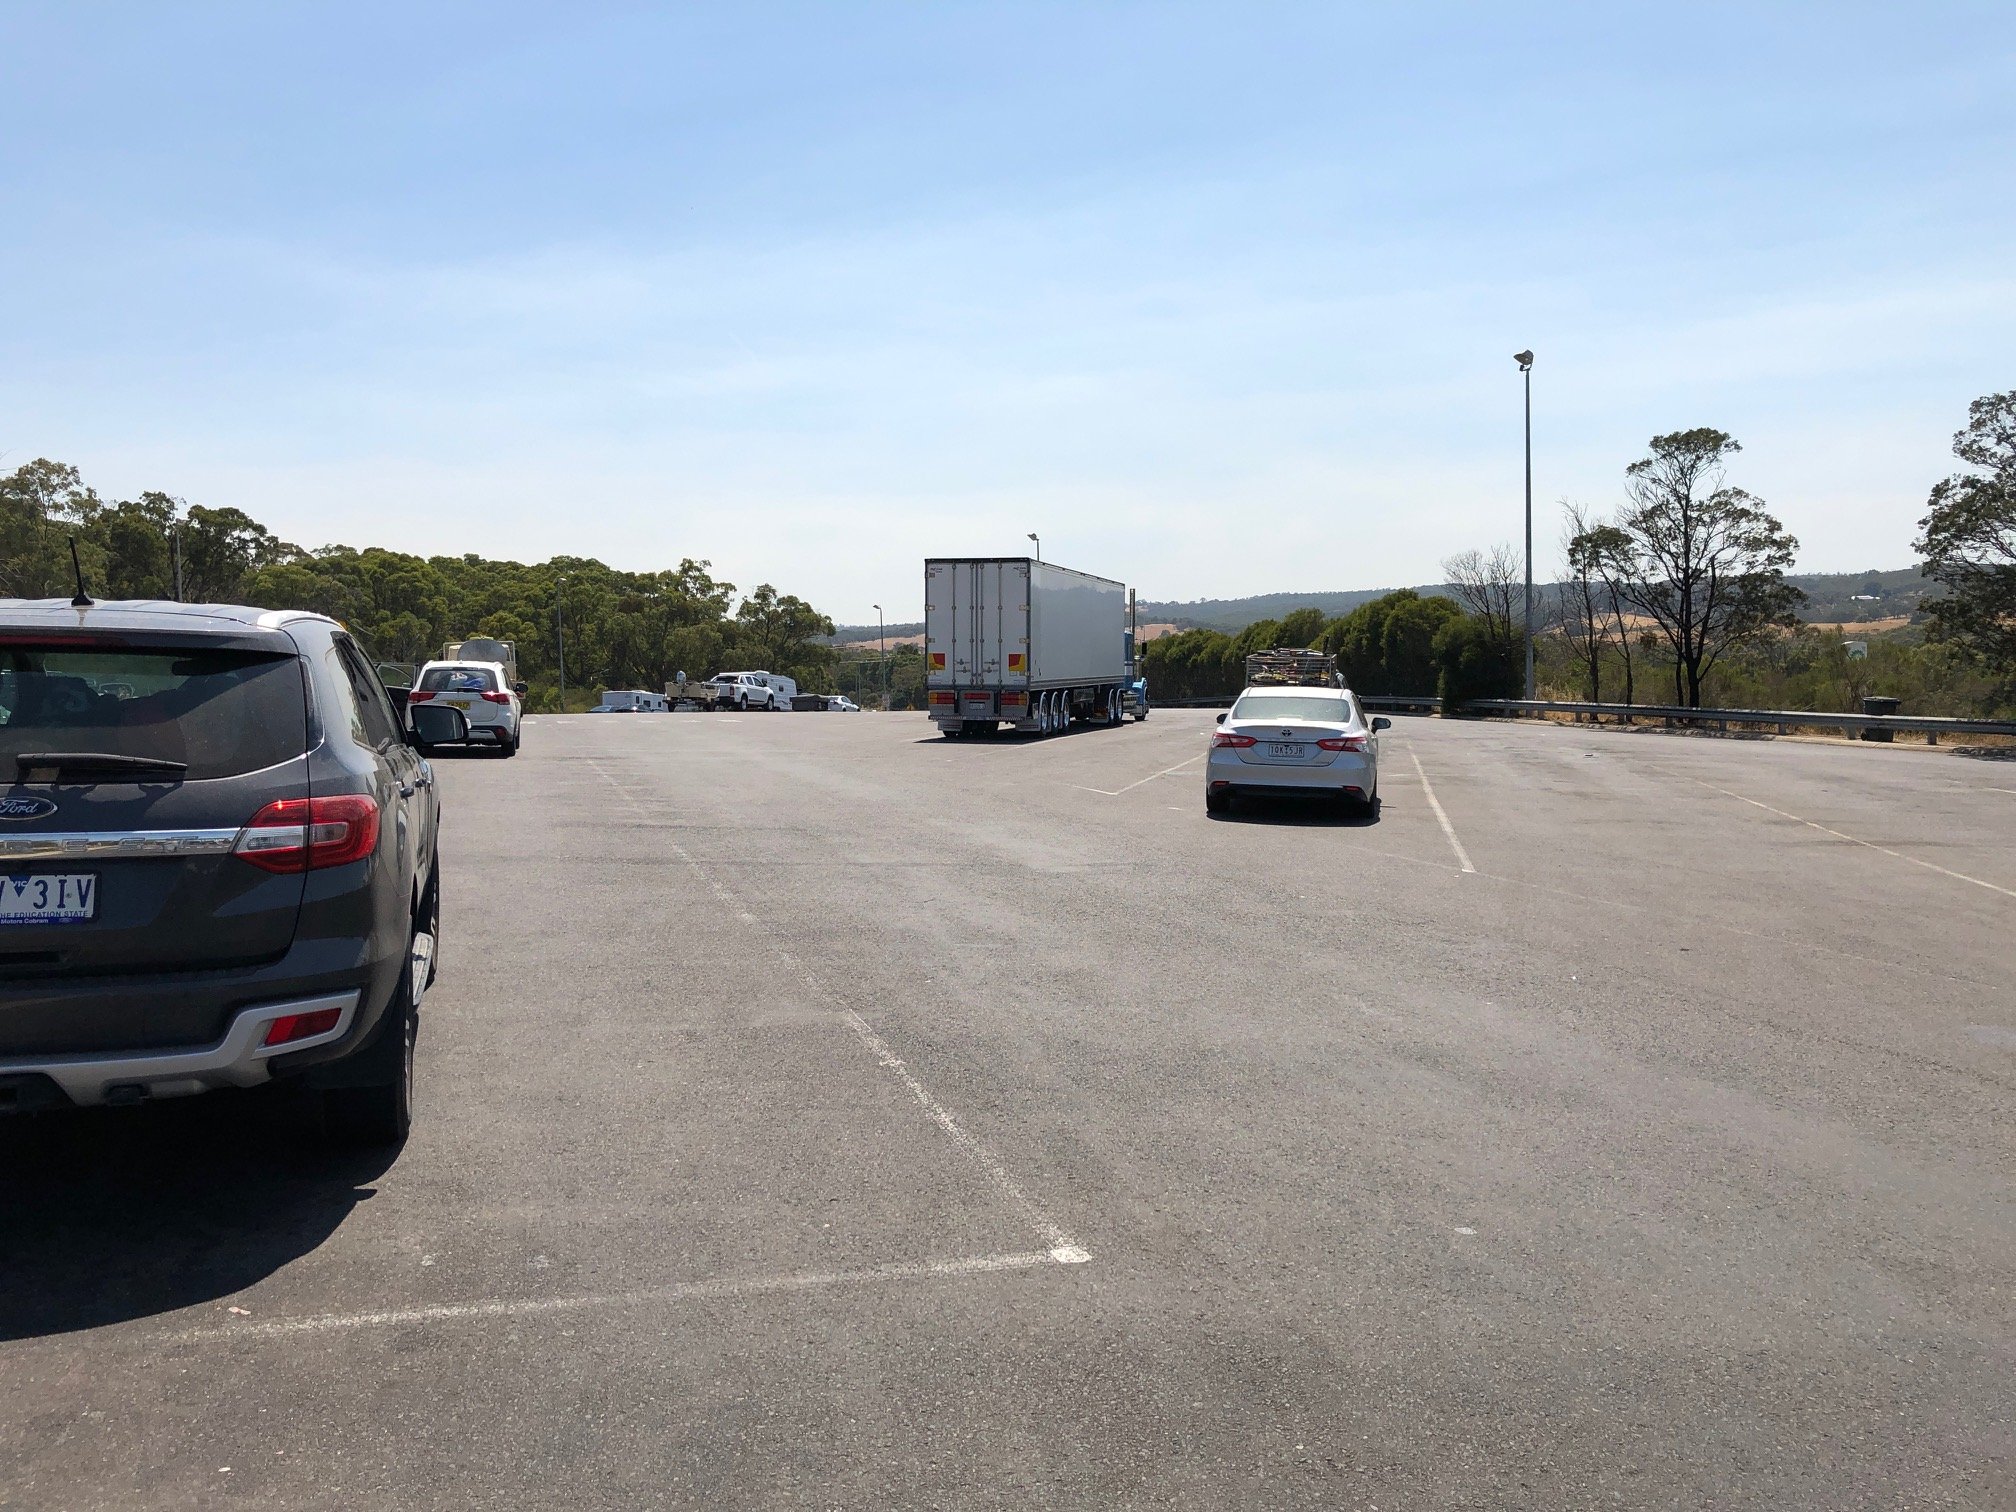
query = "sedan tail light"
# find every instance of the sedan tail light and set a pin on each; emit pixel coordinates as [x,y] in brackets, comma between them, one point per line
[1235,742]
[307,834]
[1342,743]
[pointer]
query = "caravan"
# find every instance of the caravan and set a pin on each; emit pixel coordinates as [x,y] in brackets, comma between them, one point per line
[631,701]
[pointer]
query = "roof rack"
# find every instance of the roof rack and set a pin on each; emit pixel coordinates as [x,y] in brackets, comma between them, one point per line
[1292,668]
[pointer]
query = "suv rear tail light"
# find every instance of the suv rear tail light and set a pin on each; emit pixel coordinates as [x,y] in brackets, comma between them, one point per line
[290,1027]
[502,698]
[419,695]
[1342,743]
[307,834]
[1236,742]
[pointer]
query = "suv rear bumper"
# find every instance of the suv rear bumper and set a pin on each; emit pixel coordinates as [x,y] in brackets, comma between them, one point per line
[239,1059]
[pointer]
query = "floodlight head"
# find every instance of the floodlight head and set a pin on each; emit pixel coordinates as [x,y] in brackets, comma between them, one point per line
[1524,359]
[1032,535]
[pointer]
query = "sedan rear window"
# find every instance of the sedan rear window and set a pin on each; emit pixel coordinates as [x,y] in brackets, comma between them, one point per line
[1327,708]
[458,680]
[217,712]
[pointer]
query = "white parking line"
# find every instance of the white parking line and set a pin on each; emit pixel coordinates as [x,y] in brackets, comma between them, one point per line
[1116,792]
[1441,818]
[1854,840]
[1063,1249]
[681,1291]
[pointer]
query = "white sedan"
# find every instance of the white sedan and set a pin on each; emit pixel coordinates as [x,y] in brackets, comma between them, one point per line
[1295,742]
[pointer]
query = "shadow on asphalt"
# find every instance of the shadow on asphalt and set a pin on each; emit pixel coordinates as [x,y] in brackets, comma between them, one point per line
[1297,814]
[1018,737]
[111,1214]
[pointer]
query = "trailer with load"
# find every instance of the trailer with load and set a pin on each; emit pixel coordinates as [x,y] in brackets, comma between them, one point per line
[1292,668]
[1025,643]
[484,649]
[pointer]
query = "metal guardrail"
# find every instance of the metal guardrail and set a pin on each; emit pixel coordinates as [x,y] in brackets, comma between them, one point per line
[1930,726]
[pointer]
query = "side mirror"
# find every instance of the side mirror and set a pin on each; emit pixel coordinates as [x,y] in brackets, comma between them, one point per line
[437,724]
[521,688]
[1381,722]
[1221,717]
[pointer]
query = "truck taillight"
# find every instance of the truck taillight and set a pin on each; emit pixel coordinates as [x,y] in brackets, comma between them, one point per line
[307,834]
[1342,743]
[1235,742]
[944,698]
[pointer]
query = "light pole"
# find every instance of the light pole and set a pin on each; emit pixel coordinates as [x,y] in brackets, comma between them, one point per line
[1525,361]
[882,641]
[1039,544]
[560,638]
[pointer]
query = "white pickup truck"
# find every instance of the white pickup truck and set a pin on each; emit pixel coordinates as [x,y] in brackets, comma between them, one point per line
[753,690]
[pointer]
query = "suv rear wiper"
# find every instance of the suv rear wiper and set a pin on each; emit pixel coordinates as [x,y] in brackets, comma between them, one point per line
[35,766]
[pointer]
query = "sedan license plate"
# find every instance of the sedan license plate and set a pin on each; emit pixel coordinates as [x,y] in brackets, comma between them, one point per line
[67,898]
[1291,752]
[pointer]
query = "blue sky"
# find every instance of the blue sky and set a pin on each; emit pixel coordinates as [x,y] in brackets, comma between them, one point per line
[1218,299]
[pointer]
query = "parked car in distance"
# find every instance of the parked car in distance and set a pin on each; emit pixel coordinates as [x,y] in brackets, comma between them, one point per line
[1294,742]
[218,860]
[839,703]
[485,695]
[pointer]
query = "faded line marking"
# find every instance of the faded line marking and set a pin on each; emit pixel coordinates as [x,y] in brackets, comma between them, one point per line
[1063,1249]
[1441,818]
[682,1291]
[1165,772]
[1854,840]
[1060,1243]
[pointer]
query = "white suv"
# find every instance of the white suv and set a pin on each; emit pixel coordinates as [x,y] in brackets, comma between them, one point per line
[482,691]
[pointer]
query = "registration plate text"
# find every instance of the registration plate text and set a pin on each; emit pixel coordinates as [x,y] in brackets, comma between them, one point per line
[65,898]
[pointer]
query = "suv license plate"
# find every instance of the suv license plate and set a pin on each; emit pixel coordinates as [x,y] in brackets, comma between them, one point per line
[66,898]
[1293,752]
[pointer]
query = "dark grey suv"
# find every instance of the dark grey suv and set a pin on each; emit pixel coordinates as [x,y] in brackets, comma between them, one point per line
[217,860]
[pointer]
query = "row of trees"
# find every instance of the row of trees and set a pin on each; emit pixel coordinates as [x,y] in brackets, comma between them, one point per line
[1681,594]
[1687,580]
[619,629]
[1400,644]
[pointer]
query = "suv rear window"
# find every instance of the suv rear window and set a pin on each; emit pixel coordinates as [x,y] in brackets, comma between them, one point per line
[222,712]
[458,680]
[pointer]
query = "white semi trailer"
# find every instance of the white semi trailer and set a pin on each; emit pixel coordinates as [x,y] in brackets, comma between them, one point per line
[1028,644]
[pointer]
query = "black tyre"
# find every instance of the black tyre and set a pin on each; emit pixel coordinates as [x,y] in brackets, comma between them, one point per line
[379,1111]
[509,746]
[1217,803]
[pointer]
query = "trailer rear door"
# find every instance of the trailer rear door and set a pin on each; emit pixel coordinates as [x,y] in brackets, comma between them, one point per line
[976,622]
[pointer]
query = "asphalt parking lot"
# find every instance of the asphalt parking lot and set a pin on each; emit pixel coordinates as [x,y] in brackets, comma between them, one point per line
[814,1113]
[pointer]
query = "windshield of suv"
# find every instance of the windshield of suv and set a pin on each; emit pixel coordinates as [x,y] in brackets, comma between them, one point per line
[1330,708]
[218,712]
[458,680]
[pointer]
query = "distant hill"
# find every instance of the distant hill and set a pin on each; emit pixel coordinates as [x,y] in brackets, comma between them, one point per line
[1830,599]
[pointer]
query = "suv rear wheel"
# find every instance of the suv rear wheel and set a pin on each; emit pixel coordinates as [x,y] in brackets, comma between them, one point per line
[380,1111]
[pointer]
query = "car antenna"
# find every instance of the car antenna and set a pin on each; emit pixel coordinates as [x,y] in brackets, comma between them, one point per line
[83,599]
